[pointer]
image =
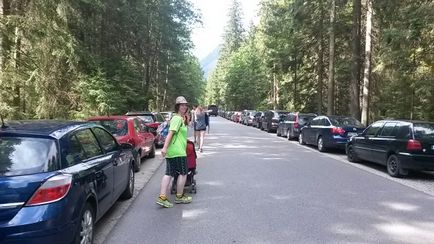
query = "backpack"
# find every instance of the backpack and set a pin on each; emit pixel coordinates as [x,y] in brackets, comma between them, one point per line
[163,129]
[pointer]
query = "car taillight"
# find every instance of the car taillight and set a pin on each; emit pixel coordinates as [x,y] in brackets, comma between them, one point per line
[337,131]
[414,145]
[296,125]
[54,189]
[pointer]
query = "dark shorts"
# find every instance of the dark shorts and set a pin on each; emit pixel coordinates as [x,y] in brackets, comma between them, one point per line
[176,166]
[200,129]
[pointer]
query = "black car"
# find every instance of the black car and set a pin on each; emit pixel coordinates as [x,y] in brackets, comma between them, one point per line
[400,145]
[57,178]
[271,120]
[213,110]
[291,124]
[330,131]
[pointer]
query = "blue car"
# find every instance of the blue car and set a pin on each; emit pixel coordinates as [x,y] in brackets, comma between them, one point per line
[57,179]
[330,131]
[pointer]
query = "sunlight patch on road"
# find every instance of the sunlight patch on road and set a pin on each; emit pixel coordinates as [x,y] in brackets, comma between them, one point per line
[400,206]
[272,158]
[212,183]
[280,197]
[420,232]
[192,214]
[343,229]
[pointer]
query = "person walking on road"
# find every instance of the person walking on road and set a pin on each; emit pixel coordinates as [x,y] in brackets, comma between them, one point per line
[201,123]
[174,150]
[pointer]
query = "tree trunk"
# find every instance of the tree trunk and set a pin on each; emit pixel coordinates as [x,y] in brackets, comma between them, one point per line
[295,99]
[367,68]
[331,84]
[320,58]
[354,104]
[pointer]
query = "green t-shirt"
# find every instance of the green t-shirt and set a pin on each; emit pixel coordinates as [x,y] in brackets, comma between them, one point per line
[178,145]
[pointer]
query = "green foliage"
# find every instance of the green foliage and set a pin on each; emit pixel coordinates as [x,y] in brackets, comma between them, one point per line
[73,59]
[277,64]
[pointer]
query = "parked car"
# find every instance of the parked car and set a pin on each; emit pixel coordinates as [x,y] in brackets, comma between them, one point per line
[330,131]
[167,115]
[213,110]
[291,124]
[151,119]
[257,119]
[271,119]
[132,130]
[236,117]
[397,144]
[58,178]
[247,118]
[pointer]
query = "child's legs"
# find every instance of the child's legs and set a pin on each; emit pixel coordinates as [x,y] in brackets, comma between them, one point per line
[165,185]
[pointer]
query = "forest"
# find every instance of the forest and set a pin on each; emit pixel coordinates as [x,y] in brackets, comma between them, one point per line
[369,59]
[70,59]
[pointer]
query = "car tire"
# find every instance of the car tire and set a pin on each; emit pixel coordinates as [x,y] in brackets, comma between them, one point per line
[138,161]
[351,155]
[394,167]
[301,140]
[85,231]
[129,190]
[152,152]
[320,145]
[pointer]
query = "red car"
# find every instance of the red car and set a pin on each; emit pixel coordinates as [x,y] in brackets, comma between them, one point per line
[132,130]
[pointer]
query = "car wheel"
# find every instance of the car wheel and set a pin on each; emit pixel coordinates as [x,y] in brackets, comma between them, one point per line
[152,152]
[129,190]
[138,162]
[351,155]
[300,139]
[320,143]
[86,226]
[394,167]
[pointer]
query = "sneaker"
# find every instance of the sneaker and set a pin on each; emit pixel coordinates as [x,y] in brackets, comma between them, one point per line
[183,199]
[164,203]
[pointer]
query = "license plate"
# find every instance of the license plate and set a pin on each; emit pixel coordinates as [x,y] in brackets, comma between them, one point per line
[350,134]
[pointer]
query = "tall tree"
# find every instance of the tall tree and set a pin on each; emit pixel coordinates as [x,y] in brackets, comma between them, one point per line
[331,83]
[354,105]
[367,67]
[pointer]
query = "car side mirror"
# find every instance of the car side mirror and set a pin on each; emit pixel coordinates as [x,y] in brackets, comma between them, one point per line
[126,146]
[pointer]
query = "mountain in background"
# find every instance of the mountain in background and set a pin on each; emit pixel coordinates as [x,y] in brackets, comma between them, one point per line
[210,61]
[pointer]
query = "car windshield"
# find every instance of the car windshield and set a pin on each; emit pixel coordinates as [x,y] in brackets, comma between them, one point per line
[118,127]
[27,155]
[423,131]
[147,118]
[344,121]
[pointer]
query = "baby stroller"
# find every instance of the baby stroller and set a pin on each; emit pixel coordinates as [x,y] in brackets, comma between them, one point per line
[191,163]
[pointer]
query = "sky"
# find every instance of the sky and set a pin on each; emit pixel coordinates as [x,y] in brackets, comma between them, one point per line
[214,17]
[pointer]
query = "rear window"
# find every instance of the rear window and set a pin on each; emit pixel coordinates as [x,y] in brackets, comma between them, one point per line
[423,131]
[344,121]
[304,119]
[118,127]
[27,155]
[147,118]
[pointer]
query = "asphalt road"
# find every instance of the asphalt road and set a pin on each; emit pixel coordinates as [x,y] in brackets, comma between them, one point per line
[254,187]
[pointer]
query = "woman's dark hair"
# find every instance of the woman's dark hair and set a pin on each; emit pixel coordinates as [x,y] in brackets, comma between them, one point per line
[177,107]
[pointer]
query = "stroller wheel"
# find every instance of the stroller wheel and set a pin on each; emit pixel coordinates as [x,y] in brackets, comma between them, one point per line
[193,190]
